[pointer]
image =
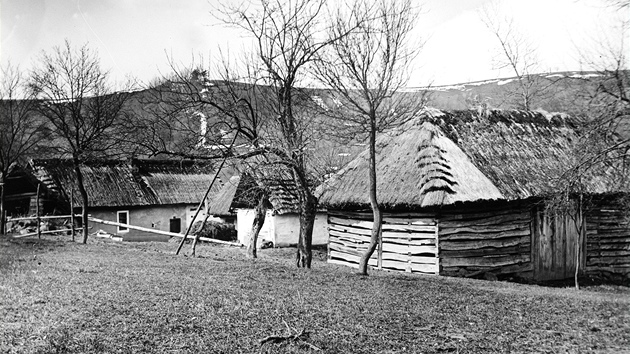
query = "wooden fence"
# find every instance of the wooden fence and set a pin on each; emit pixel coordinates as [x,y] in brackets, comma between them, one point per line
[409,242]
[39,232]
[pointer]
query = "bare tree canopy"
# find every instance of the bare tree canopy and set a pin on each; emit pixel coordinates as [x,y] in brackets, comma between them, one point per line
[85,114]
[367,66]
[517,54]
[21,131]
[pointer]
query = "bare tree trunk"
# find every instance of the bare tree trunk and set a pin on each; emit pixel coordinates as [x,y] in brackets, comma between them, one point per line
[376,211]
[193,248]
[259,221]
[308,210]
[579,223]
[84,199]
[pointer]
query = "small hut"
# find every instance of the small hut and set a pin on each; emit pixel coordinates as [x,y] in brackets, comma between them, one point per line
[465,194]
[154,194]
[282,221]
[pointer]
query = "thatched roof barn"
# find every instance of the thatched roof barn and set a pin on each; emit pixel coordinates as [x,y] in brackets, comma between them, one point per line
[443,158]
[160,195]
[465,192]
[124,183]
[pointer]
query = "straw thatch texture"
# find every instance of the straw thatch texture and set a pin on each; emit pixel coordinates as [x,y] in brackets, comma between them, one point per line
[221,204]
[441,158]
[119,183]
[107,183]
[177,182]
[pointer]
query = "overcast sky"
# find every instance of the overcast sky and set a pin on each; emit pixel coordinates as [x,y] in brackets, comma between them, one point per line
[133,37]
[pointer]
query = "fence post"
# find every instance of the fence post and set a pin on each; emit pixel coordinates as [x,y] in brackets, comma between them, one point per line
[72,213]
[39,230]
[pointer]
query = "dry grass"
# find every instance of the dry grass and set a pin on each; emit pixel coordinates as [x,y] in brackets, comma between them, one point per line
[56,296]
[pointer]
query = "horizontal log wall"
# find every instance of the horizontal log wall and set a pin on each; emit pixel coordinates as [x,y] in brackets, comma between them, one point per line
[494,238]
[608,240]
[409,241]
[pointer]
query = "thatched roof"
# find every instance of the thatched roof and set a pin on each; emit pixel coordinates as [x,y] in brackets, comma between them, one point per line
[442,158]
[242,192]
[124,183]
[221,204]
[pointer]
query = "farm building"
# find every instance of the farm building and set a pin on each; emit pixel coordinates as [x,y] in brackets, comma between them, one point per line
[282,222]
[465,193]
[156,194]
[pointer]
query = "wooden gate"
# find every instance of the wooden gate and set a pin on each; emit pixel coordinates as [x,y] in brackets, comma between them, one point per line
[554,250]
[410,242]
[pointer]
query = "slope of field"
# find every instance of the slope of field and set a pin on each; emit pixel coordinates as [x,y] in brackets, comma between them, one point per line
[106,297]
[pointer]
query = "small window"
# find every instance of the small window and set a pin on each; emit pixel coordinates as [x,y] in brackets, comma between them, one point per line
[123,218]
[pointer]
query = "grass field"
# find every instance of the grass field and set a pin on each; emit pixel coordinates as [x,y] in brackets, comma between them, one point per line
[60,297]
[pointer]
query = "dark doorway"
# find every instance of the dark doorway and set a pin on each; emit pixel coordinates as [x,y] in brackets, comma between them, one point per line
[175,225]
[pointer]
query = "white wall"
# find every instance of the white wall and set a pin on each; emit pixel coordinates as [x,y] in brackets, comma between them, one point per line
[244,220]
[282,230]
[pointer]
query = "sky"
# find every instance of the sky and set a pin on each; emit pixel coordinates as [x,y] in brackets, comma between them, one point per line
[136,37]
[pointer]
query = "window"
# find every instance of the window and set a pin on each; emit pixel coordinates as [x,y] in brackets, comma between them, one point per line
[175,225]
[123,218]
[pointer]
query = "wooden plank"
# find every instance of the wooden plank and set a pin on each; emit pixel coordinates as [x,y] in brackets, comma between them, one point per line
[454,215]
[349,250]
[520,218]
[349,236]
[407,221]
[41,217]
[488,251]
[410,235]
[416,268]
[46,232]
[344,263]
[402,241]
[391,247]
[350,257]
[614,253]
[609,246]
[608,260]
[477,244]
[409,258]
[482,229]
[332,220]
[349,229]
[483,236]
[485,261]
[408,228]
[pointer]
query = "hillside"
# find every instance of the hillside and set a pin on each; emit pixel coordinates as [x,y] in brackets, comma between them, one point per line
[560,91]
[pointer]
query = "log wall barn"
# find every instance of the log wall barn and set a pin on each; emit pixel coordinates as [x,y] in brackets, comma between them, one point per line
[484,178]
[409,241]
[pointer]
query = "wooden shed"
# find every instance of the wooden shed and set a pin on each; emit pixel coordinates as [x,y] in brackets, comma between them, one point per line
[464,193]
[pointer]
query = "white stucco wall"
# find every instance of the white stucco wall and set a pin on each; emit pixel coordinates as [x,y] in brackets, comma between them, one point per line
[244,220]
[282,230]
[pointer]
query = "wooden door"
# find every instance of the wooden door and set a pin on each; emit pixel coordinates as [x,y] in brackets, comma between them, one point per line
[554,242]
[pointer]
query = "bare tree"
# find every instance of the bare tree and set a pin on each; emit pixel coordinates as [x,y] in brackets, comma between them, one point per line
[86,115]
[367,70]
[21,131]
[518,54]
